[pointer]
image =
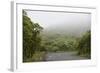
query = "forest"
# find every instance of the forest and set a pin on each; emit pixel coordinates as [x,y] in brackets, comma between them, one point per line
[36,43]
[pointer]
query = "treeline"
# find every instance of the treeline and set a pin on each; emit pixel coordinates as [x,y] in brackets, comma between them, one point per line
[63,43]
[58,43]
[31,37]
[84,45]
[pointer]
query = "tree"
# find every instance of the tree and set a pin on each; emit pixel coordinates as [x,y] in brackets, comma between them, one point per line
[31,37]
[84,45]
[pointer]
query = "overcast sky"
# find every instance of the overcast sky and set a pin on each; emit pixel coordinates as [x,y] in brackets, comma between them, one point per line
[62,22]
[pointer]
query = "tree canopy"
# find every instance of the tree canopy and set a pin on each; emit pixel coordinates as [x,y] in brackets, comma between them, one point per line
[31,36]
[84,45]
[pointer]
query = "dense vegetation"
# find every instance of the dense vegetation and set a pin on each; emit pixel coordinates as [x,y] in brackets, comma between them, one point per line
[36,43]
[31,37]
[62,43]
[55,43]
[84,45]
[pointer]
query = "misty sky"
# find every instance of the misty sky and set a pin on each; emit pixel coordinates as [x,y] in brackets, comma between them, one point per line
[71,23]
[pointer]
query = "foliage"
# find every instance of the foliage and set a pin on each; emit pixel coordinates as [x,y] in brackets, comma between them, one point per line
[54,43]
[37,56]
[84,45]
[31,37]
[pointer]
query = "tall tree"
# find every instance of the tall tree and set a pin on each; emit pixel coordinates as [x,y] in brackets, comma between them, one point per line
[31,37]
[84,45]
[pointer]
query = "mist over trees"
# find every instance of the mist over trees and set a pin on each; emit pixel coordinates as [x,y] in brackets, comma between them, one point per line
[37,42]
[67,23]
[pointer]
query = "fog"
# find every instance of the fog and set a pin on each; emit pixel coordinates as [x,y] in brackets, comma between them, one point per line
[62,23]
